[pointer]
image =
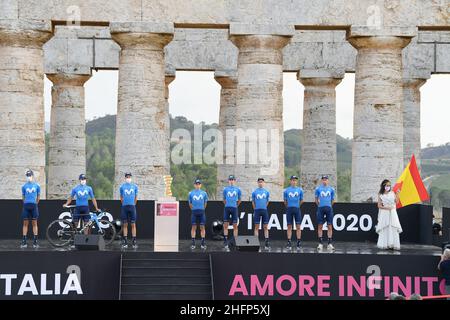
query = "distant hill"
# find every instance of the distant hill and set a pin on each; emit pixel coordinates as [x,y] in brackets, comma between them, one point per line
[292,150]
[440,152]
[436,161]
[100,155]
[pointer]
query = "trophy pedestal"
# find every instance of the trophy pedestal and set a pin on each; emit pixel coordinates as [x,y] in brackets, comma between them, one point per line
[167,210]
[166,225]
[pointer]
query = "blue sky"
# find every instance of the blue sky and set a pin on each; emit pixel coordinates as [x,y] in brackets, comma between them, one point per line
[196,95]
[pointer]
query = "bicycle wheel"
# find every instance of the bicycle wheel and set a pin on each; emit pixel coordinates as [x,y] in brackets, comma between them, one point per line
[107,231]
[60,233]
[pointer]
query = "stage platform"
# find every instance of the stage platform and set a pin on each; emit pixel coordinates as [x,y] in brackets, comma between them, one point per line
[277,246]
[215,274]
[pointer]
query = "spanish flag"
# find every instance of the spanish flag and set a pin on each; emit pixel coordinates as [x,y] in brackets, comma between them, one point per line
[412,189]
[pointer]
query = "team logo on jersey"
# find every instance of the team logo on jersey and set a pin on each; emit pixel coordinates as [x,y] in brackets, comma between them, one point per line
[199,197]
[82,193]
[261,196]
[293,194]
[325,193]
[129,191]
[30,190]
[232,194]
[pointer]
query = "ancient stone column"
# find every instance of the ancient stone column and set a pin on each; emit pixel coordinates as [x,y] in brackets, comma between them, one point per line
[142,126]
[411,119]
[67,146]
[227,121]
[22,136]
[169,78]
[378,114]
[319,154]
[259,117]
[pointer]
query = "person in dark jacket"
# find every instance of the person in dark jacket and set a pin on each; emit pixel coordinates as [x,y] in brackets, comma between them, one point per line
[444,267]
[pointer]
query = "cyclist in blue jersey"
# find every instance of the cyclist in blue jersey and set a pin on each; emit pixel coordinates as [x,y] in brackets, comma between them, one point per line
[260,201]
[293,199]
[198,200]
[128,198]
[31,194]
[231,199]
[82,193]
[325,196]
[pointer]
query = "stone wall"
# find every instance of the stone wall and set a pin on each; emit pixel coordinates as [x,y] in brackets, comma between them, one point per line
[392,46]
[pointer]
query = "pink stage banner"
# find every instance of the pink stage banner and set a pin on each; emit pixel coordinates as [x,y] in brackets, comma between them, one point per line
[167,209]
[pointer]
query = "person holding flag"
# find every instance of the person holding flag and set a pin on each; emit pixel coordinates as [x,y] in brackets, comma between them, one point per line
[409,189]
[388,227]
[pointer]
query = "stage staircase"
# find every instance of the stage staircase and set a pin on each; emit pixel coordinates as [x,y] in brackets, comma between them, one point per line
[172,276]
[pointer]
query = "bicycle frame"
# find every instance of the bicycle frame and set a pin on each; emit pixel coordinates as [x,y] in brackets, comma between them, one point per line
[93,218]
[62,231]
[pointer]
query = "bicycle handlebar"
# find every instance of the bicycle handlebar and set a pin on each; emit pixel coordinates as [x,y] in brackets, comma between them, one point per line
[74,206]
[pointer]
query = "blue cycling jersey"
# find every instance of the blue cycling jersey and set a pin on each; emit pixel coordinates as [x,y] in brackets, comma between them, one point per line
[261,198]
[231,196]
[128,192]
[293,196]
[198,199]
[30,192]
[325,194]
[82,194]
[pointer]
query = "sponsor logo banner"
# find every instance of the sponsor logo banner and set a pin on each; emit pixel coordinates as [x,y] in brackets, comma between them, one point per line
[59,275]
[323,276]
[352,221]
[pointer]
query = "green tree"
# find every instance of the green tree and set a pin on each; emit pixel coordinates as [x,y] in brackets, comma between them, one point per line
[100,148]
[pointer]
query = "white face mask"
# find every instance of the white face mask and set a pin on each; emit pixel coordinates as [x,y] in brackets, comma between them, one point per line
[83,182]
[29,179]
[387,188]
[128,180]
